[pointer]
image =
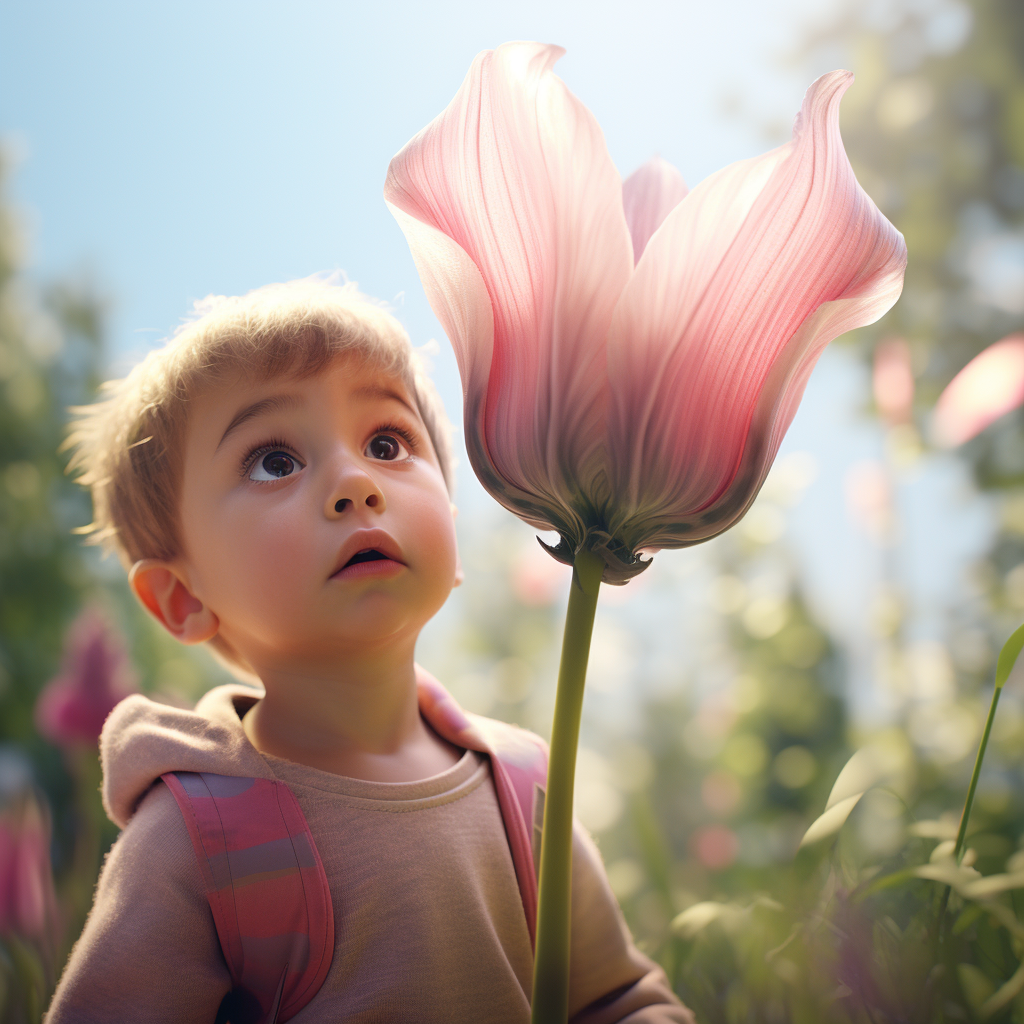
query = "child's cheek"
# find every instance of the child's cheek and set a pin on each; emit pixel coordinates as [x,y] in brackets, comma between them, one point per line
[270,545]
[434,531]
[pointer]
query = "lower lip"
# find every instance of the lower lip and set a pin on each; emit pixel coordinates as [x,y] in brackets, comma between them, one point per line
[379,568]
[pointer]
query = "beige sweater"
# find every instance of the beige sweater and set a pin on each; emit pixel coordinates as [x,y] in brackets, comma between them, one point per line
[429,924]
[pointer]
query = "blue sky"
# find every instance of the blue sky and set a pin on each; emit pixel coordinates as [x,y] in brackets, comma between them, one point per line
[175,151]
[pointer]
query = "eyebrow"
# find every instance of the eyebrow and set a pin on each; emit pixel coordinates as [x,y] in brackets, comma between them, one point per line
[247,413]
[377,391]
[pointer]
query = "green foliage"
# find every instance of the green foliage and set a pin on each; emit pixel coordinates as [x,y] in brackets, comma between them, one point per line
[49,357]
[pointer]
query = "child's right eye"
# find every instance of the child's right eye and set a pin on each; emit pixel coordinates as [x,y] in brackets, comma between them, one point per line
[274,465]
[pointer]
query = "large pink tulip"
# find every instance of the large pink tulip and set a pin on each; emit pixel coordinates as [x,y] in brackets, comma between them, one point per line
[988,387]
[72,708]
[631,354]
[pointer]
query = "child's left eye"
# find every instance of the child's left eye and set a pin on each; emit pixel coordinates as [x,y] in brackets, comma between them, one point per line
[387,448]
[274,465]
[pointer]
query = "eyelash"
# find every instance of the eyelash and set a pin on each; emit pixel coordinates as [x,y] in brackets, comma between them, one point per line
[273,445]
[264,449]
[405,435]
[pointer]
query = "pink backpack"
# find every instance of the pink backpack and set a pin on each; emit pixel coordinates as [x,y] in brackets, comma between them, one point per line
[266,883]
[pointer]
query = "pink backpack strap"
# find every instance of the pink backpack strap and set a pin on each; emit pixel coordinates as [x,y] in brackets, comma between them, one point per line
[266,886]
[520,784]
[519,763]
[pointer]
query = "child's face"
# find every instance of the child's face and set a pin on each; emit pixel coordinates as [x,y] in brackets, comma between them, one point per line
[284,482]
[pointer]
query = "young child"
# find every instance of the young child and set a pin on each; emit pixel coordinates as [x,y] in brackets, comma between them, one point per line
[277,480]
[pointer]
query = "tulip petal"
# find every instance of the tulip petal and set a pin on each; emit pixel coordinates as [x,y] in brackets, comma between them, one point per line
[988,387]
[649,195]
[458,296]
[731,304]
[516,174]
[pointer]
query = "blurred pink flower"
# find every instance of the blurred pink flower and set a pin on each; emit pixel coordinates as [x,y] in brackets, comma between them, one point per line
[869,497]
[631,354]
[72,708]
[28,901]
[893,382]
[988,387]
[715,846]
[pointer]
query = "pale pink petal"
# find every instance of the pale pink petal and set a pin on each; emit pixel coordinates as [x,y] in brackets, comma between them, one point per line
[458,296]
[988,387]
[731,304]
[649,195]
[516,174]
[893,381]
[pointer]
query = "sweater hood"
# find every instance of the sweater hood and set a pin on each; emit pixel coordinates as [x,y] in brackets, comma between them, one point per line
[142,739]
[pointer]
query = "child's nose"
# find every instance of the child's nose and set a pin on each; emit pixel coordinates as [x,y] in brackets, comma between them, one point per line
[355,489]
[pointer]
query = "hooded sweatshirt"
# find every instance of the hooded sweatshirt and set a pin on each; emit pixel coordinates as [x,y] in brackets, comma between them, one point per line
[429,922]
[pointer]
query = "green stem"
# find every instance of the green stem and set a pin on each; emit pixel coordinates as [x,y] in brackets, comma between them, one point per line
[551,963]
[961,834]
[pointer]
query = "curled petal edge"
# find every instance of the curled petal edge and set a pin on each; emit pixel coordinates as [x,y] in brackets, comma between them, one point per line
[458,295]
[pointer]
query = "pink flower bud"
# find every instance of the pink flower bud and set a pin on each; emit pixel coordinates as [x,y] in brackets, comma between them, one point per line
[72,708]
[631,355]
[28,901]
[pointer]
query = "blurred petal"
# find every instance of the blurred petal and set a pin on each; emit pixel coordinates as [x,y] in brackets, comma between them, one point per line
[516,174]
[893,381]
[72,708]
[869,497]
[10,848]
[732,302]
[649,194]
[988,387]
[28,900]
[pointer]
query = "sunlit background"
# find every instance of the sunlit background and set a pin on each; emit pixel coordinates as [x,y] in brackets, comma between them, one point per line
[155,155]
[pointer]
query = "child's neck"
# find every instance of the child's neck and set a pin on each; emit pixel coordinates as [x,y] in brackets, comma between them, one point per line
[361,721]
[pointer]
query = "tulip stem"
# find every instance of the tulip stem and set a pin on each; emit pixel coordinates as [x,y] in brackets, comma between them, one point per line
[551,964]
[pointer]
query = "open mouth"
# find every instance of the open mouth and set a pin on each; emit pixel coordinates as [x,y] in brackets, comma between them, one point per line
[370,555]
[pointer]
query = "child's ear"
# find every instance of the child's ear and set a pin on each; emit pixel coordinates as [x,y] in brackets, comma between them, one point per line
[161,590]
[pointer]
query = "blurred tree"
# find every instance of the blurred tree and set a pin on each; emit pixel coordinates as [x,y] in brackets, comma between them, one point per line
[934,127]
[49,357]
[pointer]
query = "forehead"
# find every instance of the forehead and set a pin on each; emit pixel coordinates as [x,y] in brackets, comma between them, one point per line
[345,376]
[238,396]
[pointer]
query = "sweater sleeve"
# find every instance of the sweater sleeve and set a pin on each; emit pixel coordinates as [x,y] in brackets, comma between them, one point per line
[149,951]
[611,981]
